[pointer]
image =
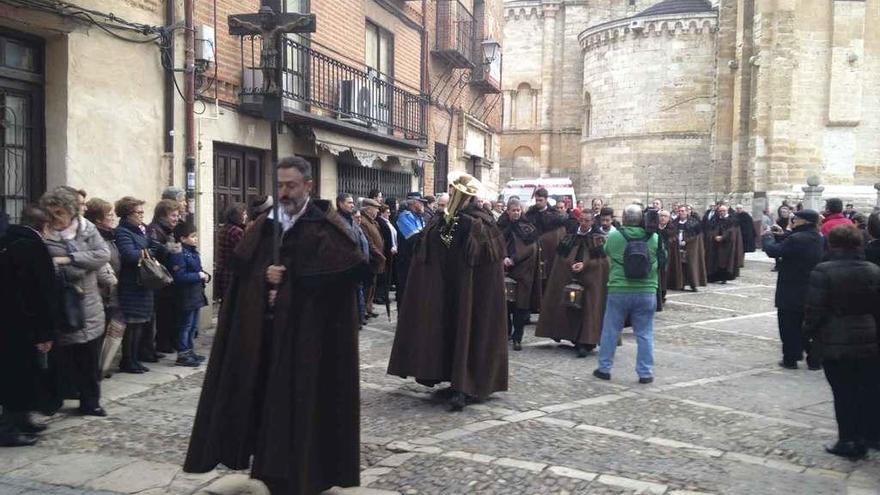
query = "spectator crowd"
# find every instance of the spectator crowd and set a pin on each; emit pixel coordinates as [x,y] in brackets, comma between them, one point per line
[90,287]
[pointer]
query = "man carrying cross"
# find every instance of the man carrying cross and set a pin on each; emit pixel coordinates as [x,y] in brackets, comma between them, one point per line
[285,390]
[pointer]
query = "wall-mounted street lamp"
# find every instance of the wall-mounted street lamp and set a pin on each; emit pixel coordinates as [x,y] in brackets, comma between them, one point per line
[491,51]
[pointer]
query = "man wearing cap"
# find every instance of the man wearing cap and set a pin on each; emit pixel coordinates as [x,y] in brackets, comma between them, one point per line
[797,253]
[410,223]
[369,212]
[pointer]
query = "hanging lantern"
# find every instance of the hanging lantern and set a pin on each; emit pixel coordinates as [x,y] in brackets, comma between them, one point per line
[573,294]
[510,289]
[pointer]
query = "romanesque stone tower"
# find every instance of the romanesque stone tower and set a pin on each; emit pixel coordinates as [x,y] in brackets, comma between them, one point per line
[694,99]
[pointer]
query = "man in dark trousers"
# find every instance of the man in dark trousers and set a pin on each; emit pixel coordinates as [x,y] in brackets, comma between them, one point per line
[797,254]
[285,389]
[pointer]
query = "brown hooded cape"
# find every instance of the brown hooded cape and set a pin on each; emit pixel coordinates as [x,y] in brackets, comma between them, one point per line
[286,391]
[689,269]
[725,258]
[522,247]
[453,329]
[557,320]
[551,225]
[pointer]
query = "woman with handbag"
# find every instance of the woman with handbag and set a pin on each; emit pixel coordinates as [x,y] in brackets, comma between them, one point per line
[101,213]
[79,253]
[135,300]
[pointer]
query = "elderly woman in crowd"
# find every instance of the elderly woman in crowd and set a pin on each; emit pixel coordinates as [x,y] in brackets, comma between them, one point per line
[80,254]
[100,213]
[28,303]
[228,237]
[178,195]
[841,322]
[166,216]
[135,301]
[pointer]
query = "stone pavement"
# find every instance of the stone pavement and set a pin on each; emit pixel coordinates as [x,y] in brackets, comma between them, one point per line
[720,418]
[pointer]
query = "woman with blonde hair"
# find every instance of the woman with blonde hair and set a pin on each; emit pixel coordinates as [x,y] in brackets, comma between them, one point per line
[80,254]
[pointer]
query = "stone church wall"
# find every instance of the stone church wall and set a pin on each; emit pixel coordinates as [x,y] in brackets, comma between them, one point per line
[651,110]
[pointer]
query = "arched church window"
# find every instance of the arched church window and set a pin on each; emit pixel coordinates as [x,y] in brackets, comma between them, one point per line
[524,106]
[524,164]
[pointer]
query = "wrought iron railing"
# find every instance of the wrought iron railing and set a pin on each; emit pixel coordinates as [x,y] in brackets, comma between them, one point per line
[456,35]
[317,83]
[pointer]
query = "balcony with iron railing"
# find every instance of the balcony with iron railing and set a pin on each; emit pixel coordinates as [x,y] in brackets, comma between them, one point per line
[318,89]
[456,30]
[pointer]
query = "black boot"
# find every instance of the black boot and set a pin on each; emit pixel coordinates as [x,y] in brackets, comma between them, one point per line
[849,449]
[582,350]
[23,423]
[517,346]
[457,401]
[16,439]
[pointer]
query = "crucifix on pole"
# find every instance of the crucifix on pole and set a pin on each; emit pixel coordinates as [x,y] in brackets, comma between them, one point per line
[271,26]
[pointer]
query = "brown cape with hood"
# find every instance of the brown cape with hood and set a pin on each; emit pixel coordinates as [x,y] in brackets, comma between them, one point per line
[561,322]
[689,269]
[725,258]
[453,329]
[551,226]
[520,238]
[286,390]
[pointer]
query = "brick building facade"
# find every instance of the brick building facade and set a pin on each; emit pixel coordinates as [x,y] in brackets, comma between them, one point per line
[373,98]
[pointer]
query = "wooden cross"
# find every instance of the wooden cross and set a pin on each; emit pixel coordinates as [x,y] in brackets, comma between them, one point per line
[270,26]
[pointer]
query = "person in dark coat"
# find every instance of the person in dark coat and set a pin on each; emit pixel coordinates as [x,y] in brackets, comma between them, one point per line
[453,328]
[230,234]
[841,321]
[872,249]
[385,280]
[520,238]
[747,229]
[285,391]
[687,254]
[29,305]
[160,338]
[580,258]
[797,253]
[551,227]
[724,251]
[135,301]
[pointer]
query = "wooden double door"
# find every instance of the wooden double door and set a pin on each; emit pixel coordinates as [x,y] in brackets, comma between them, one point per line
[239,177]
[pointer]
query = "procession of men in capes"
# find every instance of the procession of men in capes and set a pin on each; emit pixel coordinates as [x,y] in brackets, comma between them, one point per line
[281,393]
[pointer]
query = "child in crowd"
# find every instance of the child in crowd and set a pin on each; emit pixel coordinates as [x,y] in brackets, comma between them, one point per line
[185,266]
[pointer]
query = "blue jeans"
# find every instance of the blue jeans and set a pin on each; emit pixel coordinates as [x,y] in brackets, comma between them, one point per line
[640,309]
[189,325]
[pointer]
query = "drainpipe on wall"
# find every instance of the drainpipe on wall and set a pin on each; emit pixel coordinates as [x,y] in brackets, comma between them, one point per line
[169,89]
[189,106]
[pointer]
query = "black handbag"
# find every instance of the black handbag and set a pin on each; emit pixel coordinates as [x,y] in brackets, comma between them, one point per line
[72,306]
[151,273]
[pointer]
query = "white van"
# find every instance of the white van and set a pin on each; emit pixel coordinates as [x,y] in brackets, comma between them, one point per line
[559,189]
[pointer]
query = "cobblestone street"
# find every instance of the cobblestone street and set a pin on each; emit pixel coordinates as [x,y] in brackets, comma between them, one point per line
[721,418]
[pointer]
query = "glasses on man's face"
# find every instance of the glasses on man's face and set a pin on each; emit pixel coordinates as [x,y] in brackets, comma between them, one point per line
[139,212]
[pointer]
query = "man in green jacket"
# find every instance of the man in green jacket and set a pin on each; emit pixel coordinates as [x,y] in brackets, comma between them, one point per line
[632,293]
